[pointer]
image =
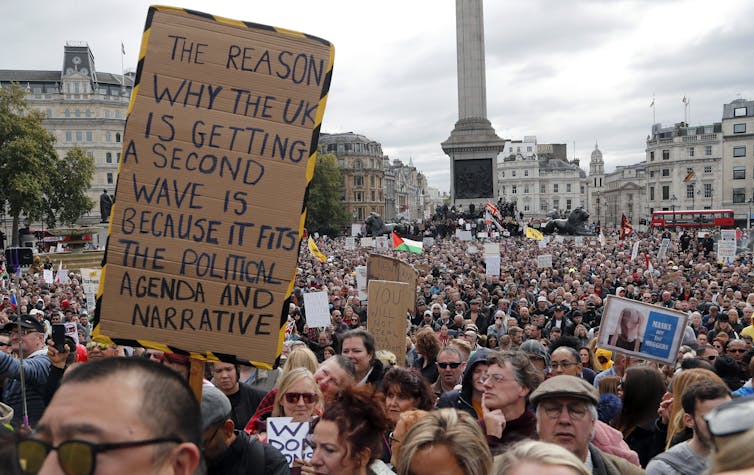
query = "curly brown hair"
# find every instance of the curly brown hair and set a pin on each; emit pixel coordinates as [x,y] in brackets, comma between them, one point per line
[360,419]
[410,384]
[428,345]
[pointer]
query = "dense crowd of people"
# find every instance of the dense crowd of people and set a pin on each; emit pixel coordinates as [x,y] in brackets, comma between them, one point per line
[502,373]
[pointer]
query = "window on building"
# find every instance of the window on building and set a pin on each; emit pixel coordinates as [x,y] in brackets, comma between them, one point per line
[108,137]
[666,192]
[117,157]
[582,189]
[568,187]
[651,174]
[739,128]
[526,207]
[739,151]
[554,187]
[708,150]
[526,172]
[556,204]
[528,149]
[106,114]
[542,188]
[502,173]
[371,180]
[68,136]
[79,136]
[48,114]
[689,191]
[90,154]
[348,147]
[77,113]
[651,156]
[708,169]
[358,181]
[739,112]
[358,196]
[109,178]
[666,172]
[357,164]
[666,154]
[108,157]
[513,189]
[526,189]
[691,151]
[652,193]
[502,190]
[739,173]
[568,205]
[708,190]
[117,137]
[372,193]
[739,195]
[88,113]
[543,206]
[88,135]
[513,172]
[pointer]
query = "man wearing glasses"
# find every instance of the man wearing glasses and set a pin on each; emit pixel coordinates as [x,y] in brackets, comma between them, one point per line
[566,416]
[27,336]
[139,417]
[450,365]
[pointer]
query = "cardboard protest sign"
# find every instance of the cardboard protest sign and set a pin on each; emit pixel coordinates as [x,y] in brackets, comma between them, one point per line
[317,309]
[220,145]
[386,316]
[641,330]
[90,280]
[47,275]
[492,266]
[726,251]
[288,437]
[366,242]
[727,234]
[382,243]
[390,268]
[361,281]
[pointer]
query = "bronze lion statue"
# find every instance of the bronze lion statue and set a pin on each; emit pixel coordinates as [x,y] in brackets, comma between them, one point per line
[575,224]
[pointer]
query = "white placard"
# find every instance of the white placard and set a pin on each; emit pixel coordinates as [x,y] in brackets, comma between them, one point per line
[288,437]
[492,265]
[491,249]
[382,243]
[361,281]
[428,242]
[317,309]
[579,241]
[463,235]
[472,249]
[350,243]
[543,242]
[62,276]
[366,242]
[726,251]
[467,226]
[47,273]
[727,234]
[481,235]
[559,239]
[544,261]
[355,229]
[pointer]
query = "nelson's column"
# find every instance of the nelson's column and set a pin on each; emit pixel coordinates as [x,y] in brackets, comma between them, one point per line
[473,145]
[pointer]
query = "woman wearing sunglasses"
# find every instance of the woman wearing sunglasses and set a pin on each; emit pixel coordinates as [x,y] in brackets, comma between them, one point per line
[298,396]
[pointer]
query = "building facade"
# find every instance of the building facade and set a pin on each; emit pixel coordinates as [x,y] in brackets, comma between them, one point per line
[83,108]
[623,193]
[539,183]
[684,167]
[738,160]
[596,187]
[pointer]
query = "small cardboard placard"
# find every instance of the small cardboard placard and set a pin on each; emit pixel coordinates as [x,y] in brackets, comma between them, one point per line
[492,265]
[288,437]
[219,147]
[640,330]
[317,309]
[386,316]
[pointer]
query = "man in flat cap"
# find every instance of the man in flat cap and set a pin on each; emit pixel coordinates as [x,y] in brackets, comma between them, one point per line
[566,416]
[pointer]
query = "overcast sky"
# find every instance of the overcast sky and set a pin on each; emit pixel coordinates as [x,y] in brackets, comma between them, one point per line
[564,70]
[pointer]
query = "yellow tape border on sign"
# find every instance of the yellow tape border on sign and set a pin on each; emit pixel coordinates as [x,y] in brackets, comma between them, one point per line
[215,356]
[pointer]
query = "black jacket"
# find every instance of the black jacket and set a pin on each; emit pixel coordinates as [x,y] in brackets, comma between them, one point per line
[244,404]
[248,455]
[461,398]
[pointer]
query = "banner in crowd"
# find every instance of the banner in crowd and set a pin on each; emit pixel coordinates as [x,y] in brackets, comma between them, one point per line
[386,316]
[288,437]
[641,330]
[220,145]
[317,309]
[544,261]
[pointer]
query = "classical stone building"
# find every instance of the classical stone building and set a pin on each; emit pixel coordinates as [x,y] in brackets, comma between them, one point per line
[596,187]
[538,178]
[683,166]
[738,159]
[362,168]
[623,193]
[83,107]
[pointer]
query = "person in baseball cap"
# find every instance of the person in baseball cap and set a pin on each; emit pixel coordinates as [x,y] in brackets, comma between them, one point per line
[29,322]
[567,416]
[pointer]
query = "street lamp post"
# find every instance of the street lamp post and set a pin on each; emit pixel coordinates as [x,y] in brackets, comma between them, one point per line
[673,199]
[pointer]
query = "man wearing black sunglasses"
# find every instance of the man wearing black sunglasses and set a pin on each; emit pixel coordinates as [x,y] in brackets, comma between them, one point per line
[451,365]
[139,417]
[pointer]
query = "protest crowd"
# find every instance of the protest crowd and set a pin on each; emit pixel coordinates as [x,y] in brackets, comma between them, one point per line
[502,374]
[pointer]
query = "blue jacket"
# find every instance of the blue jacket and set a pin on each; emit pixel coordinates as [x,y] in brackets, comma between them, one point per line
[36,371]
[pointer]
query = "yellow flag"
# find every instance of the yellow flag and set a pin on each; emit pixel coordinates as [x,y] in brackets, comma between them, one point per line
[315,250]
[532,233]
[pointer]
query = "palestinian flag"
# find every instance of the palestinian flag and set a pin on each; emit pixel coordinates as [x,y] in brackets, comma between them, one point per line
[407,245]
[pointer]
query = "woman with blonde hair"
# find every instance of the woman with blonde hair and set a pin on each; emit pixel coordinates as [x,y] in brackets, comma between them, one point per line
[533,457]
[445,438]
[300,357]
[298,396]
[677,430]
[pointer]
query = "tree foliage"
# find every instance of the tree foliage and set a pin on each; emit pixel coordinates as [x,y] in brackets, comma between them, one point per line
[35,182]
[325,211]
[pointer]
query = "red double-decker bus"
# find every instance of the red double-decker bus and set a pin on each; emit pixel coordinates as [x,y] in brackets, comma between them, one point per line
[694,218]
